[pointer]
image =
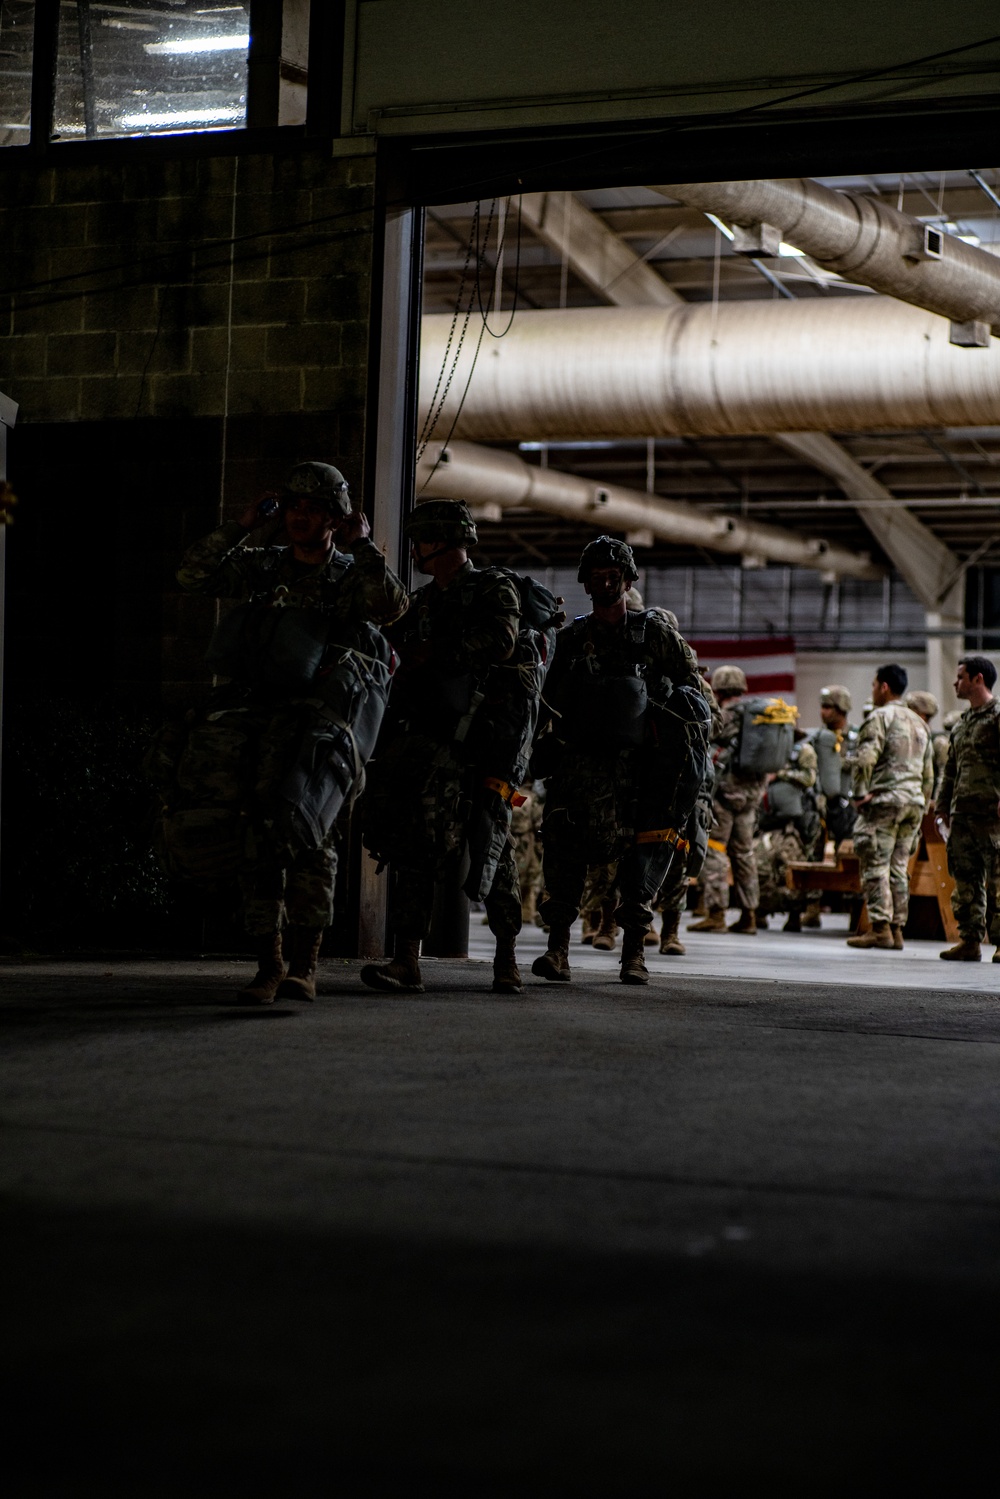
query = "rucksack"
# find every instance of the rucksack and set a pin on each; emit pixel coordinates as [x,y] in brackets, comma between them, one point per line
[767,735]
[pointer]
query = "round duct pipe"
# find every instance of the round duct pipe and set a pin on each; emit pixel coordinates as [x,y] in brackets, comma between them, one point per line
[491,476]
[862,239]
[703,370]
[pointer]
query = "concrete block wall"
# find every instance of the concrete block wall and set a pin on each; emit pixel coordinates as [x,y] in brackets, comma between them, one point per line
[122,302]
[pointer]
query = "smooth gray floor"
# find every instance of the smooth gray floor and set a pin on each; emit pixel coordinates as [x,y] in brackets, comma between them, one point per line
[775,1122]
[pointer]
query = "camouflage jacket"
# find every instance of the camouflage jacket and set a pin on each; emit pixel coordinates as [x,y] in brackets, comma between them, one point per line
[971,779]
[451,642]
[351,589]
[665,653]
[940,745]
[801,768]
[893,760]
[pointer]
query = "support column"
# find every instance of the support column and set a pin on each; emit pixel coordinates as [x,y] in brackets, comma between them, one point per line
[8,416]
[392,492]
[945,644]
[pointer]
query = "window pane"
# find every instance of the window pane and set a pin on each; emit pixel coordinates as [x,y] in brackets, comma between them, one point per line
[145,67]
[17,25]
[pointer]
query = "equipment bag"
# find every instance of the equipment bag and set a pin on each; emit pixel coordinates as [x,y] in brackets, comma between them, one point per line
[767,735]
[340,723]
[829,745]
[607,710]
[261,643]
[784,801]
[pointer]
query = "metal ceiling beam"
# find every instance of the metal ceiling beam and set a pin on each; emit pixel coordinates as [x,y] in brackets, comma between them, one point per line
[594,252]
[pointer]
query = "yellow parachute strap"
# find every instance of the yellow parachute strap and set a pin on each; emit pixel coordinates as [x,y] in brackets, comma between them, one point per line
[777,711]
[720,848]
[664,835]
[504,789]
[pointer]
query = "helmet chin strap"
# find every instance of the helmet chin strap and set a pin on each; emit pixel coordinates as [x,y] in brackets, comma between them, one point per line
[446,546]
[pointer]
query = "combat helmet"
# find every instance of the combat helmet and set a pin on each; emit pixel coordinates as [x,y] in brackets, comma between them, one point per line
[318,481]
[728,679]
[605,551]
[835,696]
[449,521]
[924,703]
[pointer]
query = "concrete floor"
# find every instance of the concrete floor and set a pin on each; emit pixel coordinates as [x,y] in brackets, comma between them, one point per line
[745,1223]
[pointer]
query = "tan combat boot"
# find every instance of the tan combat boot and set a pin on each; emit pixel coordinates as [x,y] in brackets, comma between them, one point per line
[746,925]
[879,936]
[303,955]
[897,935]
[670,942]
[966,951]
[402,975]
[715,921]
[270,971]
[506,974]
[605,938]
[554,964]
[591,924]
[812,915]
[634,970]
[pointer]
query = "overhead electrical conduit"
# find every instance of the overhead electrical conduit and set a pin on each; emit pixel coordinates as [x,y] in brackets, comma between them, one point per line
[728,369]
[864,240]
[493,476]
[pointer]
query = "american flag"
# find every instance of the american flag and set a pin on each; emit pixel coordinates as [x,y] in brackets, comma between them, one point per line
[769,662]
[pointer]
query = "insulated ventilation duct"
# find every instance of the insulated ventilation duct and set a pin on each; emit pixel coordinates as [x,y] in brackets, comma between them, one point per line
[710,370]
[490,476]
[863,240]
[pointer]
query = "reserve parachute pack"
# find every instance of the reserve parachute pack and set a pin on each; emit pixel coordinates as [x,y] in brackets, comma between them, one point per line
[499,723]
[607,710]
[263,779]
[767,735]
[833,775]
[266,643]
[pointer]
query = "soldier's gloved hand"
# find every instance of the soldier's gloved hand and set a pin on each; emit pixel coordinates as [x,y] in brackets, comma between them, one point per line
[258,512]
[352,528]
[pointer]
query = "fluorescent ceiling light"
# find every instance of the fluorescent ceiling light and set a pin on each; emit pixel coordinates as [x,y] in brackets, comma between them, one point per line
[198,44]
[192,117]
[784,250]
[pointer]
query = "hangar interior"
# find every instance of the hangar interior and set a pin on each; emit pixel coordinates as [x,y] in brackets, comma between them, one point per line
[740,1228]
[864,591]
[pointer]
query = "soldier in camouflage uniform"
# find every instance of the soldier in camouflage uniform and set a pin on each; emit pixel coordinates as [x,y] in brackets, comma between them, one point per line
[525,827]
[788,839]
[434,796]
[969,806]
[941,743]
[926,704]
[893,781]
[240,743]
[604,663]
[737,799]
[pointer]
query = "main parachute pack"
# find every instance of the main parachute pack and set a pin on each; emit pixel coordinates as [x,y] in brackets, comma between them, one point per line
[767,735]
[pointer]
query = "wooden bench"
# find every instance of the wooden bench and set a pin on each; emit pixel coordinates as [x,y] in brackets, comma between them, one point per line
[931,885]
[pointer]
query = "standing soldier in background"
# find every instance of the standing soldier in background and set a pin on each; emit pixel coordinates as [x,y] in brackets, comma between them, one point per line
[242,739]
[941,748]
[790,826]
[835,744]
[447,768]
[525,826]
[737,799]
[969,807]
[927,706]
[893,781]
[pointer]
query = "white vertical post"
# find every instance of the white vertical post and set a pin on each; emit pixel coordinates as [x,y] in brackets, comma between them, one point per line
[8,416]
[394,457]
[946,645]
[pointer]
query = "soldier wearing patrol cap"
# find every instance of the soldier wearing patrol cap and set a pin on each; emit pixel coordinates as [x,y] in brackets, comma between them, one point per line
[331,574]
[610,668]
[447,768]
[926,705]
[737,798]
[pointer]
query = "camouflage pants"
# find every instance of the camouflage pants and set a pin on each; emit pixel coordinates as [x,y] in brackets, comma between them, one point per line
[733,827]
[974,864]
[773,853]
[587,822]
[415,900]
[883,841]
[300,894]
[674,890]
[528,861]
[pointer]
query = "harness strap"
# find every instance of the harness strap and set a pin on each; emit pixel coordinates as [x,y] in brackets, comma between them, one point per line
[664,835]
[505,790]
[720,848]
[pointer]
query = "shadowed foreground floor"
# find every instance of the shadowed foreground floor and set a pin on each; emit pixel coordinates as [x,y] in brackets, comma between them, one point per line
[593,1241]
